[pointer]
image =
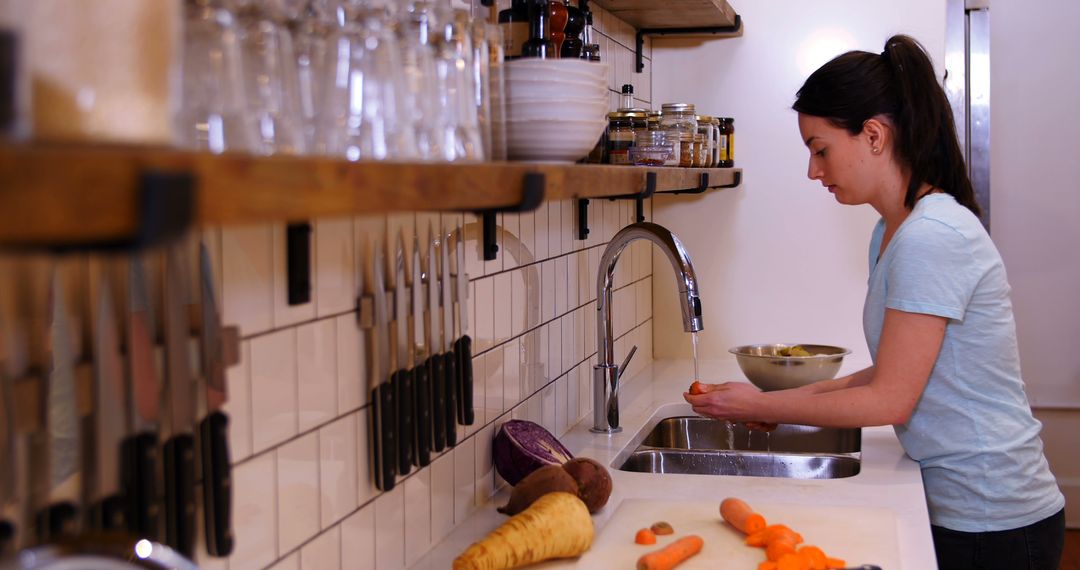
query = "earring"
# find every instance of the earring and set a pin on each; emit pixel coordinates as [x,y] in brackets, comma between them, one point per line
[876,150]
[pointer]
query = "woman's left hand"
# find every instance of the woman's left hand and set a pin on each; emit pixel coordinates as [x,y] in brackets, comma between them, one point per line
[731,401]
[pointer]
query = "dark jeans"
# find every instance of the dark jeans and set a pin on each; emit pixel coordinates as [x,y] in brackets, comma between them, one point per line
[1037,546]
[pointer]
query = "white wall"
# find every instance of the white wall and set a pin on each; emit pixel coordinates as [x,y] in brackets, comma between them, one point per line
[779,259]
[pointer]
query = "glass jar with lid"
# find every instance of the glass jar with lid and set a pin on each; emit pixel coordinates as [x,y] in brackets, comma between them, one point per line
[679,116]
[699,150]
[715,161]
[622,127]
[706,128]
[653,148]
[727,142]
[653,120]
[686,149]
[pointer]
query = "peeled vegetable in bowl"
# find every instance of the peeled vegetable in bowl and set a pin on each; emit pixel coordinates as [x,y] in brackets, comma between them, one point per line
[521,447]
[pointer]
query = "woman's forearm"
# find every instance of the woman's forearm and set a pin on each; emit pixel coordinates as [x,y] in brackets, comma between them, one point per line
[853,405]
[860,378]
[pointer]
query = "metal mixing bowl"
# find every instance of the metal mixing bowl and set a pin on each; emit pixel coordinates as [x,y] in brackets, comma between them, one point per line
[767,370]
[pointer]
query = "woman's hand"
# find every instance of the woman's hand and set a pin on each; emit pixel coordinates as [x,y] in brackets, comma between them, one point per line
[731,401]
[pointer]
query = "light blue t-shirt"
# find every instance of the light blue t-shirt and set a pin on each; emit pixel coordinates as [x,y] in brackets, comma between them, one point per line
[972,430]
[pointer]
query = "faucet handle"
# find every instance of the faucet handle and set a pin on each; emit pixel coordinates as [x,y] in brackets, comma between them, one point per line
[613,401]
[625,362]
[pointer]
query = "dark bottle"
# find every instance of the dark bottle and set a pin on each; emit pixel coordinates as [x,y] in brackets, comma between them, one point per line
[514,22]
[557,17]
[538,44]
[575,27]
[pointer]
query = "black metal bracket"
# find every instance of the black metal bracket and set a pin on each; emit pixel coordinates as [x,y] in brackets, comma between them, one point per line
[583,219]
[732,29]
[638,197]
[298,262]
[532,195]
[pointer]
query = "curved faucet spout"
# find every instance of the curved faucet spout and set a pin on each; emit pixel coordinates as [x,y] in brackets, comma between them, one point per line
[605,407]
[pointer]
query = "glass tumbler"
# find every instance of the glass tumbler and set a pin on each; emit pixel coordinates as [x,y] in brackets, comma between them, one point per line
[416,24]
[456,83]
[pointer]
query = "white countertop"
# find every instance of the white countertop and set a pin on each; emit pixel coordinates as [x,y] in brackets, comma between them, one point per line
[887,478]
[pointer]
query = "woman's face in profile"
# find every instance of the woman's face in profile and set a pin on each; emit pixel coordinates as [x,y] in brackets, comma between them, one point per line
[842,162]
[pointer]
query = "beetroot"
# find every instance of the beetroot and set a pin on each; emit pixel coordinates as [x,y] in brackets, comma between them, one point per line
[593,480]
[521,447]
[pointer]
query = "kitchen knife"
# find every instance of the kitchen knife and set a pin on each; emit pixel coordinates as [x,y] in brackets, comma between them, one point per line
[55,449]
[180,446]
[463,344]
[402,379]
[450,368]
[437,375]
[383,426]
[139,451]
[106,508]
[215,343]
[418,361]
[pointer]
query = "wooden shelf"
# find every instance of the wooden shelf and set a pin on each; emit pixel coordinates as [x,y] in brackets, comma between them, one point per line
[652,15]
[98,195]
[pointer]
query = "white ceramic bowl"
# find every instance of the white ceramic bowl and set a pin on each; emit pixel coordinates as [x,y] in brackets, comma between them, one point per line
[568,69]
[558,109]
[552,140]
[546,89]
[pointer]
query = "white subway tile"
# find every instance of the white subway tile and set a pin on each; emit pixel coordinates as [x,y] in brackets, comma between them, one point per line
[594,270]
[530,277]
[352,377]
[238,406]
[598,18]
[572,281]
[485,467]
[479,399]
[548,408]
[358,539]
[554,353]
[464,479]
[485,314]
[534,409]
[290,562]
[527,234]
[573,395]
[442,496]
[579,333]
[316,355]
[642,81]
[273,388]
[502,307]
[511,374]
[247,278]
[561,419]
[474,256]
[569,225]
[417,516]
[365,479]
[590,329]
[334,265]
[298,491]
[390,529]
[547,288]
[532,362]
[542,230]
[555,244]
[568,350]
[586,277]
[585,389]
[255,512]
[517,302]
[560,285]
[324,552]
[511,245]
[284,313]
[337,469]
[493,384]
[607,53]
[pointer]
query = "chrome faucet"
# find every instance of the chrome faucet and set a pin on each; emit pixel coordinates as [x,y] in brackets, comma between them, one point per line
[606,373]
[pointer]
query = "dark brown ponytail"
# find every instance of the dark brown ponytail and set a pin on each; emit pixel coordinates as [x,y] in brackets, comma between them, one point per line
[900,84]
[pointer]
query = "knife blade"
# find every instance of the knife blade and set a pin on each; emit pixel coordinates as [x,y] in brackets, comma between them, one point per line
[433,335]
[418,361]
[106,509]
[383,427]
[180,446]
[450,368]
[402,378]
[139,451]
[463,344]
[216,343]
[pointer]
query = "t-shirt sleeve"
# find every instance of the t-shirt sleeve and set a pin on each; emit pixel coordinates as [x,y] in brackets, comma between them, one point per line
[932,271]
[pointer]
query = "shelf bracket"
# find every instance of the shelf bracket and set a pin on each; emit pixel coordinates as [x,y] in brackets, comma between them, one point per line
[583,219]
[532,195]
[703,185]
[732,29]
[298,262]
[638,197]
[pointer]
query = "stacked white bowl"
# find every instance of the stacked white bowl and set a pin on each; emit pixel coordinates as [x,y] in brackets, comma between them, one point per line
[556,109]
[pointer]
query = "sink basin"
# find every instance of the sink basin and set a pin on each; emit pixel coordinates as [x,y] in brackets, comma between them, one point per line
[697,445]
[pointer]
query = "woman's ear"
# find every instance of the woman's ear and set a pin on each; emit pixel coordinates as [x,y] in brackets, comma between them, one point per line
[877,133]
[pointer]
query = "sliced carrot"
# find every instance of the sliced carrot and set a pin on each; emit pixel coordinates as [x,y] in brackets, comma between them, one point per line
[815,555]
[645,536]
[771,533]
[832,563]
[778,548]
[662,528]
[671,555]
[792,561]
[739,514]
[767,565]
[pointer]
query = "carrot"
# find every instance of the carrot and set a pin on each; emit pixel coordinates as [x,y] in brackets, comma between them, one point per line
[662,528]
[778,548]
[815,555]
[645,536]
[834,563]
[741,516]
[557,525]
[792,561]
[767,565]
[671,555]
[697,388]
[771,533]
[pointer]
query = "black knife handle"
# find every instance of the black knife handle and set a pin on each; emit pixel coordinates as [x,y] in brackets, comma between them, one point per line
[403,392]
[139,476]
[463,349]
[109,514]
[217,483]
[422,400]
[384,442]
[180,493]
[57,521]
[7,538]
[450,377]
[438,402]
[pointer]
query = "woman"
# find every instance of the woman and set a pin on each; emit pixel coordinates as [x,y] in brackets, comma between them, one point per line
[937,317]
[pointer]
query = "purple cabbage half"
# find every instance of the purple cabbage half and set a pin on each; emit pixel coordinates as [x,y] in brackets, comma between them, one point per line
[521,447]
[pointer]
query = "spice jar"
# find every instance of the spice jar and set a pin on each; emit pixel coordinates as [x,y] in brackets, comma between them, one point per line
[701,151]
[653,148]
[706,128]
[686,149]
[727,142]
[653,120]
[622,126]
[715,160]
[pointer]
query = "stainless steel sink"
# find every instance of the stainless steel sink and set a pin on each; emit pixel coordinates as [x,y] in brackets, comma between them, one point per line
[697,445]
